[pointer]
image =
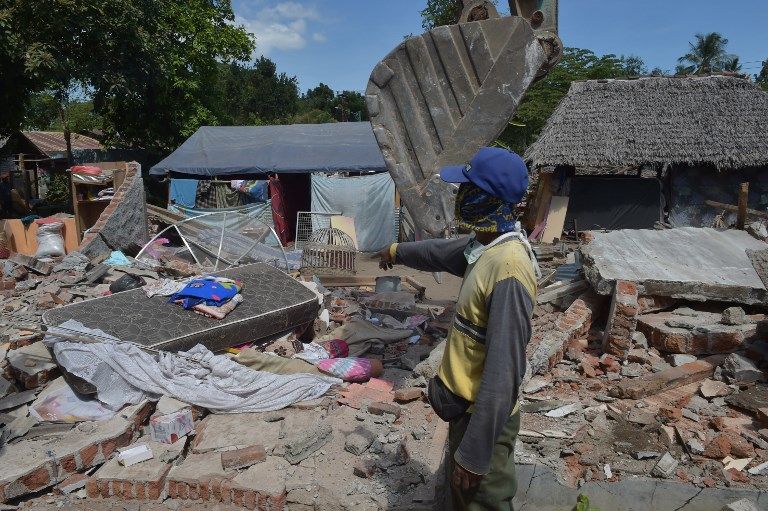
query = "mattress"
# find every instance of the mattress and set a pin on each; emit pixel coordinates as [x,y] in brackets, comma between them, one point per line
[273,303]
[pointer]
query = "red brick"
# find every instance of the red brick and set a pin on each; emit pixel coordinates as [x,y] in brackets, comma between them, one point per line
[243,458]
[37,479]
[669,414]
[87,455]
[237,496]
[215,488]
[718,448]
[92,488]
[733,475]
[140,491]
[182,490]
[740,448]
[226,491]
[408,395]
[249,499]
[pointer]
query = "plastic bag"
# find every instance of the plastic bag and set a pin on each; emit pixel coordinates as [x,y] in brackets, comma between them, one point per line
[63,405]
[50,242]
[126,283]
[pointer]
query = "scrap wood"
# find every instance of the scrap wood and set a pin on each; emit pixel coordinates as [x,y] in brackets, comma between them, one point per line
[561,291]
[668,379]
[735,209]
[421,290]
[555,219]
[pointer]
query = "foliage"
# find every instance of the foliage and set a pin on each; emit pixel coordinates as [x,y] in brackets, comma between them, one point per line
[440,12]
[707,55]
[634,66]
[762,78]
[255,94]
[149,66]
[582,504]
[544,96]
[58,189]
[43,114]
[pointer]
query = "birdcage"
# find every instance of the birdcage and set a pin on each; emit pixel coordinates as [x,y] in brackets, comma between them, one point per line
[329,252]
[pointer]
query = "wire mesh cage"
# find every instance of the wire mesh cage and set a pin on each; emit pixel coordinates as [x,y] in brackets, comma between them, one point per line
[308,222]
[329,252]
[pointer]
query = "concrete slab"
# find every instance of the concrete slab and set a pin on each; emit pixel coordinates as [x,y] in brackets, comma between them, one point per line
[687,263]
[539,489]
[220,432]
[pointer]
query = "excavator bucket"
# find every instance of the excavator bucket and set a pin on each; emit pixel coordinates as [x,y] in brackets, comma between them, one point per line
[439,97]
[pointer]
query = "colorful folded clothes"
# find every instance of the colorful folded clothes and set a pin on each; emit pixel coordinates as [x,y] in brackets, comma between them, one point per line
[219,312]
[208,290]
[351,369]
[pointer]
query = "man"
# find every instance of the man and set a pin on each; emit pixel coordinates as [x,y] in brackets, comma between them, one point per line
[478,382]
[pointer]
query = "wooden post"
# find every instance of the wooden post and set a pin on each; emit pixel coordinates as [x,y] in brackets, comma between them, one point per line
[25,177]
[741,214]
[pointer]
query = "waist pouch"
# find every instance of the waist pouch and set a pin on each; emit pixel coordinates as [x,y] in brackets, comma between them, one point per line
[447,405]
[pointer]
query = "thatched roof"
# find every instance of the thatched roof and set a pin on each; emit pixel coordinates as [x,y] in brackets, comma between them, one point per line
[714,120]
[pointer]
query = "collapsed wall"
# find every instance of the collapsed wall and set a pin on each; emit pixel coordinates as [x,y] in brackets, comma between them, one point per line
[123,224]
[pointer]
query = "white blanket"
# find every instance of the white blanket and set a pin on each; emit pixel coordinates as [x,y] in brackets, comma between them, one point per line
[123,374]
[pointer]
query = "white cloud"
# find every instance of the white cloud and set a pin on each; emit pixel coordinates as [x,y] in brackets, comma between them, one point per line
[281,27]
[319,37]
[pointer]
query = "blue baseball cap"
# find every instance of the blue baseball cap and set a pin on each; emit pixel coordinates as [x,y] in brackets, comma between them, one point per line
[496,171]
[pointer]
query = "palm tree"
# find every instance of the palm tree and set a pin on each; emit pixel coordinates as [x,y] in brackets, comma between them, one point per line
[732,64]
[707,54]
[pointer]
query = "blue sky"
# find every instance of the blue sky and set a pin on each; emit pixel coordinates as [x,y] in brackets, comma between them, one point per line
[337,42]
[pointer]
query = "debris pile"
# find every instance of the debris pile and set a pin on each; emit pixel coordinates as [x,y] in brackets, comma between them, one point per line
[658,369]
[374,444]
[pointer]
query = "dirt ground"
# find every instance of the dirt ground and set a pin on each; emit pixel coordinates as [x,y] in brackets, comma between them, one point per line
[448,290]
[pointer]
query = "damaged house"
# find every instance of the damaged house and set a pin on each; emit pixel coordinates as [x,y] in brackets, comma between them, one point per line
[626,154]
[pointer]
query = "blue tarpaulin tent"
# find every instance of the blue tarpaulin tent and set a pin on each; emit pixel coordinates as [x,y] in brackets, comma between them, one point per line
[296,148]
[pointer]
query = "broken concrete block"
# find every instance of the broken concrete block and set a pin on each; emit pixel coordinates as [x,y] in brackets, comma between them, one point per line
[666,380]
[699,334]
[32,365]
[740,505]
[733,316]
[364,468]
[379,408]
[359,441]
[713,388]
[665,467]
[308,442]
[262,486]
[706,263]
[695,446]
[633,370]
[243,458]
[28,469]
[200,477]
[759,469]
[639,340]
[741,369]
[428,368]
[140,481]
[218,432]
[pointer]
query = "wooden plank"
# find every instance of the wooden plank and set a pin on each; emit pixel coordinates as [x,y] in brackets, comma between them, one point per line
[668,379]
[562,291]
[741,214]
[731,207]
[555,219]
[348,281]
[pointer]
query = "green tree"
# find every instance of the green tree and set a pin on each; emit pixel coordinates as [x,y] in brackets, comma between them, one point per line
[634,66]
[321,97]
[706,55]
[440,12]
[149,66]
[762,77]
[255,94]
[544,96]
